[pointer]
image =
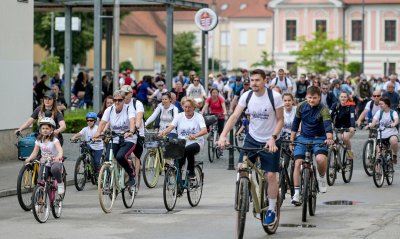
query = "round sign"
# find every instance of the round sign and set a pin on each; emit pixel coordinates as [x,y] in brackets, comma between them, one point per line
[206,19]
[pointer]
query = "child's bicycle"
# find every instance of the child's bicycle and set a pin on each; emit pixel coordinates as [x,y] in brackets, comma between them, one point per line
[174,185]
[45,195]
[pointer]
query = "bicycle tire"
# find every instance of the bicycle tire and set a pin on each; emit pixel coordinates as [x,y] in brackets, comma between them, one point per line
[137,178]
[57,205]
[106,188]
[282,185]
[80,173]
[242,199]
[170,189]
[128,195]
[305,192]
[211,149]
[332,167]
[92,171]
[312,199]
[40,204]
[347,168]
[195,189]
[368,157]
[269,229]
[216,138]
[24,186]
[378,173]
[389,173]
[150,168]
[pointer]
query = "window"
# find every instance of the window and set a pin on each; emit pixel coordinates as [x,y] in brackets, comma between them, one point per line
[243,64]
[290,30]
[389,70]
[225,65]
[261,36]
[320,25]
[390,30]
[292,68]
[243,37]
[225,38]
[197,41]
[356,30]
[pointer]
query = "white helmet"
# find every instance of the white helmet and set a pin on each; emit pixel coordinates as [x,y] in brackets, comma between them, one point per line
[47,121]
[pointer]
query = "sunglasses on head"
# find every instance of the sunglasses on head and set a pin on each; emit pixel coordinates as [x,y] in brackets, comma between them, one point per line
[118,100]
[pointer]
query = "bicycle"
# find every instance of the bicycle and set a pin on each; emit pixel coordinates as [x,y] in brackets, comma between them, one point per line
[286,168]
[174,186]
[45,195]
[309,184]
[337,159]
[211,123]
[112,180]
[153,161]
[383,166]
[245,179]
[240,136]
[84,166]
[369,151]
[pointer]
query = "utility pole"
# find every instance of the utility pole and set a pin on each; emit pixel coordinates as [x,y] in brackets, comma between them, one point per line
[362,36]
[52,48]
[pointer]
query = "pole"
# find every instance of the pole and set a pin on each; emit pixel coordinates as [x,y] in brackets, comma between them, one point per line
[170,44]
[52,48]
[109,26]
[231,165]
[362,36]
[67,54]
[97,55]
[116,45]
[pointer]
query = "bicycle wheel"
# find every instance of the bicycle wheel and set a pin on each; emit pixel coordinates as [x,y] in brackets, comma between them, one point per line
[211,149]
[56,207]
[41,204]
[389,173]
[368,157]
[331,169]
[282,185]
[150,168]
[270,229]
[25,185]
[242,205]
[378,173]
[347,170]
[106,188]
[305,192]
[312,198]
[216,138]
[195,189]
[80,173]
[138,176]
[128,195]
[170,189]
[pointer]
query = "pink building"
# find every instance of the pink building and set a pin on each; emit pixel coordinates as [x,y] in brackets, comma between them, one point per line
[293,18]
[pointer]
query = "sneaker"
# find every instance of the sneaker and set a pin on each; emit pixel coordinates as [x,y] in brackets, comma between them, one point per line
[322,185]
[131,181]
[296,200]
[349,155]
[61,188]
[269,218]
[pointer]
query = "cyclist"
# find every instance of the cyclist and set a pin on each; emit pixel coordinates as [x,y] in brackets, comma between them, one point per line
[163,114]
[343,116]
[389,119]
[216,103]
[47,109]
[88,133]
[122,120]
[289,112]
[316,126]
[370,108]
[49,146]
[246,87]
[158,93]
[266,121]
[190,125]
[196,91]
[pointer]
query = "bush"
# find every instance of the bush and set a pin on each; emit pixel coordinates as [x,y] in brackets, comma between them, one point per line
[75,120]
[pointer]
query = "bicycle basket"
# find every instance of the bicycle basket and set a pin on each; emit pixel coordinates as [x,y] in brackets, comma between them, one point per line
[151,140]
[25,146]
[175,148]
[210,120]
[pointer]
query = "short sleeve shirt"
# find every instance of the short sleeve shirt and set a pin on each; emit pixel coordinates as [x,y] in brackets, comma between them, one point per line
[385,121]
[37,115]
[216,105]
[88,133]
[47,148]
[186,127]
[119,121]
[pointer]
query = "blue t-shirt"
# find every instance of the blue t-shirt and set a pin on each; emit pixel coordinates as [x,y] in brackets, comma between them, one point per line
[142,92]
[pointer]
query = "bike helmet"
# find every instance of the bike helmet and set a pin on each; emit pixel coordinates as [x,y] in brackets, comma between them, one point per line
[47,121]
[91,115]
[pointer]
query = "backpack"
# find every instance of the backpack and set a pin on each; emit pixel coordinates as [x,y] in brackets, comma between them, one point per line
[391,115]
[270,96]
[276,81]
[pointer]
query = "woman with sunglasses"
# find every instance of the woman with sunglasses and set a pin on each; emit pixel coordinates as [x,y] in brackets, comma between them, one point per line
[197,92]
[157,95]
[121,117]
[48,108]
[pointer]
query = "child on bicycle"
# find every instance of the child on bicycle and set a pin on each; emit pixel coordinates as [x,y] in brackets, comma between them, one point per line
[87,133]
[49,146]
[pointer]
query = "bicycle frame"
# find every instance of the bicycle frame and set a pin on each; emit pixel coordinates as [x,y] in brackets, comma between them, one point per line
[117,171]
[35,172]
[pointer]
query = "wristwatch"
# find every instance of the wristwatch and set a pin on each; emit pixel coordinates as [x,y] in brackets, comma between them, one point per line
[274,136]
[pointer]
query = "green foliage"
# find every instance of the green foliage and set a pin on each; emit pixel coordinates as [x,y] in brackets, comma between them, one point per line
[320,54]
[50,65]
[185,54]
[354,68]
[264,62]
[125,65]
[75,120]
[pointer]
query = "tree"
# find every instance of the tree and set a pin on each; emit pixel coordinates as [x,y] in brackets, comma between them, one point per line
[264,62]
[125,65]
[354,68]
[185,54]
[320,54]
[50,66]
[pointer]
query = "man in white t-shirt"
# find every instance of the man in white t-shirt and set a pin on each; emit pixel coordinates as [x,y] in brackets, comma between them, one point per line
[283,82]
[370,110]
[266,121]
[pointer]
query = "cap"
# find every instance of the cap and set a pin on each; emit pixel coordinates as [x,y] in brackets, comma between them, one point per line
[126,88]
[246,82]
[50,94]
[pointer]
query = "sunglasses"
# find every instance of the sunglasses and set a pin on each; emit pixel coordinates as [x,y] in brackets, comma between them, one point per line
[376,95]
[89,120]
[118,100]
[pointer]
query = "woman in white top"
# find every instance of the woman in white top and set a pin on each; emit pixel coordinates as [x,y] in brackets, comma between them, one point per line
[158,93]
[389,119]
[121,117]
[163,114]
[289,112]
[197,92]
[190,125]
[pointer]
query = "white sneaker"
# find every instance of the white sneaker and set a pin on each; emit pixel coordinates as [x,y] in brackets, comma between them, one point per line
[296,200]
[60,188]
[322,185]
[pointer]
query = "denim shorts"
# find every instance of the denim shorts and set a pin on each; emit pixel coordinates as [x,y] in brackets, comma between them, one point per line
[269,161]
[300,150]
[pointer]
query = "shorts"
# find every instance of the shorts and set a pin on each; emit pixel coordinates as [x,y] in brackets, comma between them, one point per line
[386,141]
[269,161]
[299,151]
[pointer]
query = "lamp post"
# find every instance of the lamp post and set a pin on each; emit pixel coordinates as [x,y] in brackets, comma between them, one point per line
[362,36]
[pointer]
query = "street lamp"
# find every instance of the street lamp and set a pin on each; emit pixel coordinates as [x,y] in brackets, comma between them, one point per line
[362,36]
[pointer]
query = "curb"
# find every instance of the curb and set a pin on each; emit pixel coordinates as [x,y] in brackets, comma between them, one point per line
[13,191]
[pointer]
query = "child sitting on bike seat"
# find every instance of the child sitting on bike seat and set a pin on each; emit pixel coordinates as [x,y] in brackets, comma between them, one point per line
[87,133]
[49,146]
